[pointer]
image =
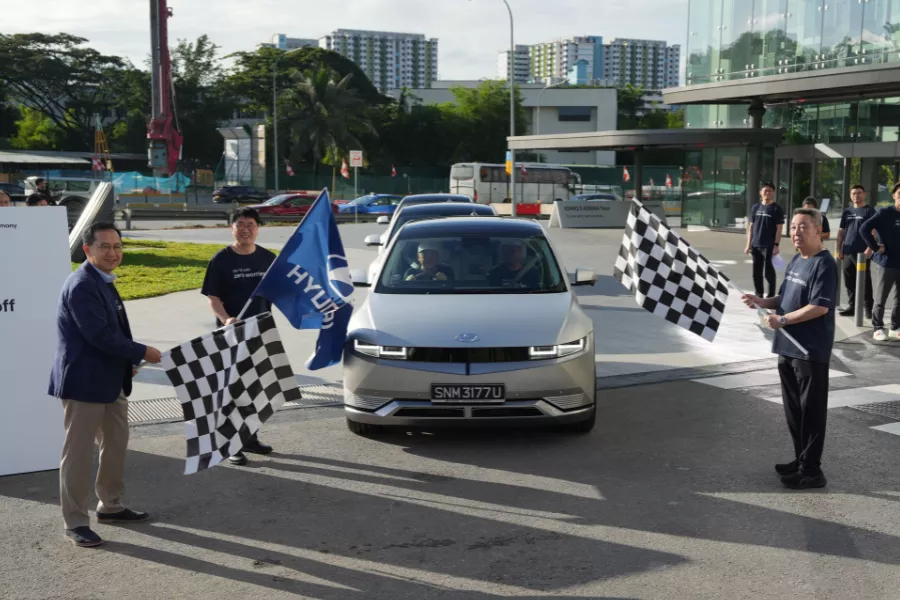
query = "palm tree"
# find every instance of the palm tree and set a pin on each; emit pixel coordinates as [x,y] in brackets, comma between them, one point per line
[325,116]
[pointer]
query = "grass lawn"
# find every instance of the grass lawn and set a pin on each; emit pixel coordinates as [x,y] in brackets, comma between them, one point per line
[156,268]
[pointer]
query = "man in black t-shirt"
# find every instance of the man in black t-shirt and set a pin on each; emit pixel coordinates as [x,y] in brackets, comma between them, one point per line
[510,271]
[231,278]
[849,244]
[805,309]
[763,237]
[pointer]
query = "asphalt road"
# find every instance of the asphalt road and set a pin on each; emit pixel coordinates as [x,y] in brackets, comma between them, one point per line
[671,496]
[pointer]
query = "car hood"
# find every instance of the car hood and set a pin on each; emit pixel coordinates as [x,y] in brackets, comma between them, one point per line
[499,321]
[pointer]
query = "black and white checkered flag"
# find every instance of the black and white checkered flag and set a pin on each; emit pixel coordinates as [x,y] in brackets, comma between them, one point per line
[229,382]
[668,277]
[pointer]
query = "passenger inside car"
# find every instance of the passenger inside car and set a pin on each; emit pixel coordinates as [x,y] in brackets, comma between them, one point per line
[516,268]
[429,267]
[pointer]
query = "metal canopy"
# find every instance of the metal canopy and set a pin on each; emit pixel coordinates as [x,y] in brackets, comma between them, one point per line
[647,138]
[822,85]
[38,158]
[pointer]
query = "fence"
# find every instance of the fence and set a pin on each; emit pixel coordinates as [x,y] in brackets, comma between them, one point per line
[343,189]
[124,183]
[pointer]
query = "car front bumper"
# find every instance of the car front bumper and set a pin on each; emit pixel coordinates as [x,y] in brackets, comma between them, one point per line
[386,392]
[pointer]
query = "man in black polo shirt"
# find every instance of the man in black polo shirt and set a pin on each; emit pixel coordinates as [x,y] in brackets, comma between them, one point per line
[231,278]
[763,236]
[805,309]
[849,244]
[886,267]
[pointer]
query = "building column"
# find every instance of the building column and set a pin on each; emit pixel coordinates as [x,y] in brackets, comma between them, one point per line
[639,173]
[754,156]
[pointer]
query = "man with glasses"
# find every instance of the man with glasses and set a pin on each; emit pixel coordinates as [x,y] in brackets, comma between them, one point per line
[95,361]
[231,278]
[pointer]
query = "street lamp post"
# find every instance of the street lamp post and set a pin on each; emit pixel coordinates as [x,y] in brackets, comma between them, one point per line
[511,76]
[275,111]
[538,118]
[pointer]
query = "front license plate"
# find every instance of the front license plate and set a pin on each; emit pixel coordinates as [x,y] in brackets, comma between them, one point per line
[468,393]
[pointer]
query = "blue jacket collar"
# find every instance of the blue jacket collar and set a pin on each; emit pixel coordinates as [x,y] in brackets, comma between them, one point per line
[106,278]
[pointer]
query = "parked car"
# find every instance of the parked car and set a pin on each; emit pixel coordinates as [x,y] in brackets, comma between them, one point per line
[431,351]
[422,212]
[242,194]
[288,205]
[15,192]
[373,204]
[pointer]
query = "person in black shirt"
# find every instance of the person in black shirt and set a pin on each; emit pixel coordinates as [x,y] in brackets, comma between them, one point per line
[886,267]
[231,278]
[429,267]
[805,309]
[510,272]
[849,244]
[763,236]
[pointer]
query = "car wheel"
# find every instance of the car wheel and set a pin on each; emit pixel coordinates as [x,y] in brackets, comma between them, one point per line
[585,426]
[365,429]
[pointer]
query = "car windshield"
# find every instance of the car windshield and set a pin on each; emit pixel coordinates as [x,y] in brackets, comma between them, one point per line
[471,264]
[277,200]
[360,200]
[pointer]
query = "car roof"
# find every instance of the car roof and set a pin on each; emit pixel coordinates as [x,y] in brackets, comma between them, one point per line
[468,225]
[446,208]
[462,197]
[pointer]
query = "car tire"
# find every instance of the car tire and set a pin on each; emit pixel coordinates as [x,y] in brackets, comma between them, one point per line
[364,429]
[582,427]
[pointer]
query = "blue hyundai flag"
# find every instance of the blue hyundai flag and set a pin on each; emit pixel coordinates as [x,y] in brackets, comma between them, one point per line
[310,282]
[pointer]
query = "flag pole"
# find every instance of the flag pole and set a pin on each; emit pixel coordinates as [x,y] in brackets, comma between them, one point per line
[253,295]
[763,313]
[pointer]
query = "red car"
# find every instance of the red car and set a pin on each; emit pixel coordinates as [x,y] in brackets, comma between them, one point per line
[289,205]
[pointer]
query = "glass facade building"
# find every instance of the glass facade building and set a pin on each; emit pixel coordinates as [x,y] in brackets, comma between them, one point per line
[827,146]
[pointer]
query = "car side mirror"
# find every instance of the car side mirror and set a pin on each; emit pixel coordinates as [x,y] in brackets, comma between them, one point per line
[585,277]
[383,221]
[359,278]
[373,240]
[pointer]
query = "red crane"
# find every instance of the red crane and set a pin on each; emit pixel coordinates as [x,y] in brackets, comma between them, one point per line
[165,141]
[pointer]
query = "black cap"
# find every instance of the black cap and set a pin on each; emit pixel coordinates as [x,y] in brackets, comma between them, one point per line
[811,200]
[767,184]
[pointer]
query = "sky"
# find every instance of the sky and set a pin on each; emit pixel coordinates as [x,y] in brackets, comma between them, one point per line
[471,32]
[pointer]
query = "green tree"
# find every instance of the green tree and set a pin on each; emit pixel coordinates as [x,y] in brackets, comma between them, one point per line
[326,116]
[631,105]
[482,118]
[66,82]
[675,119]
[36,131]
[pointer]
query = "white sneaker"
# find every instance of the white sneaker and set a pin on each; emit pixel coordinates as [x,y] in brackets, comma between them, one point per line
[894,334]
[879,336]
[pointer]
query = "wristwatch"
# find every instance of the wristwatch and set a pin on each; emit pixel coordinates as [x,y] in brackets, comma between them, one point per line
[783,320]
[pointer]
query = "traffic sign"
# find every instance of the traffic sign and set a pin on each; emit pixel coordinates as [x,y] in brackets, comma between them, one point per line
[356,158]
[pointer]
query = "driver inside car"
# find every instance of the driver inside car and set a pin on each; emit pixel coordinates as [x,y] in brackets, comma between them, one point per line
[514,269]
[429,267]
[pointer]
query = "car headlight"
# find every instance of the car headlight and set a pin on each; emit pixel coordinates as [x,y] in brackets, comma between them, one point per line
[392,352]
[548,352]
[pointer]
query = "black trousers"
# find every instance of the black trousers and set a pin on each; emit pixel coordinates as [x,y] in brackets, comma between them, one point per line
[849,267]
[804,389]
[762,260]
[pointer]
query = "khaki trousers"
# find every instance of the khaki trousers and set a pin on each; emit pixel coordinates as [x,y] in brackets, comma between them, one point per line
[86,422]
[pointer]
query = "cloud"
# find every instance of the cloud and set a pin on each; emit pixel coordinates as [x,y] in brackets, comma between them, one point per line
[471,32]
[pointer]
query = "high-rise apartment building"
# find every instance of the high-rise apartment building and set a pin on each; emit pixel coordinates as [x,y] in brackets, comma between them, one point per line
[391,60]
[520,65]
[588,60]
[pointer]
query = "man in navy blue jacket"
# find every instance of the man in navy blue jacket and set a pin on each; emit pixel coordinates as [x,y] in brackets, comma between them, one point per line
[885,264]
[92,370]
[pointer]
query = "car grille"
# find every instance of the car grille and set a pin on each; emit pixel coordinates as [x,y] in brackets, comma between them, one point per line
[468,355]
[506,411]
[431,412]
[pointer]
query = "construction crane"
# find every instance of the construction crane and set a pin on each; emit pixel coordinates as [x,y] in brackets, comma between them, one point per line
[165,142]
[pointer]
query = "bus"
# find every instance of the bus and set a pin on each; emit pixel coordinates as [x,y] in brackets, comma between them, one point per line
[488,183]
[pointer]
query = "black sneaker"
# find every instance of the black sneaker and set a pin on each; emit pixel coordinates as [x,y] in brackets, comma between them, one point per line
[238,459]
[83,537]
[847,312]
[785,469]
[123,516]
[803,481]
[254,446]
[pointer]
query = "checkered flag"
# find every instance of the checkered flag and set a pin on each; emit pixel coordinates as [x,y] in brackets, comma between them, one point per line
[229,382]
[668,277]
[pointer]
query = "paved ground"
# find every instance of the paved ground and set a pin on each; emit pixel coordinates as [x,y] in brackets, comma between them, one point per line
[671,496]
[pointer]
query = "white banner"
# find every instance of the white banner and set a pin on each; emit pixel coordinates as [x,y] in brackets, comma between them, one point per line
[576,214]
[35,263]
